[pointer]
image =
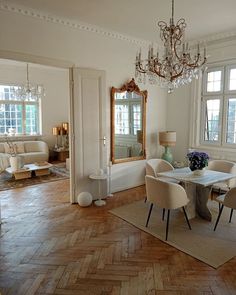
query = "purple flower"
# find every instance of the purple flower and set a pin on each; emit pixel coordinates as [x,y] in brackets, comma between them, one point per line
[197,160]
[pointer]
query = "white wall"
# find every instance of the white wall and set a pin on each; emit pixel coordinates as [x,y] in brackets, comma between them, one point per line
[32,35]
[178,106]
[55,106]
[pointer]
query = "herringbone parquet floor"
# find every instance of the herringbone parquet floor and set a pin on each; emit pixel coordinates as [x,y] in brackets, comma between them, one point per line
[48,246]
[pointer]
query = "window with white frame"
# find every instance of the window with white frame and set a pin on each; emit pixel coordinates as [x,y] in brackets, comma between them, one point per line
[128,113]
[21,115]
[218,105]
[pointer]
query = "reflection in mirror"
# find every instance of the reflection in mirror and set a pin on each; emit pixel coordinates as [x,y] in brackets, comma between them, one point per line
[128,106]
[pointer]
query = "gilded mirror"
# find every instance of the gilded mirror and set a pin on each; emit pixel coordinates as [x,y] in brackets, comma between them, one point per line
[128,123]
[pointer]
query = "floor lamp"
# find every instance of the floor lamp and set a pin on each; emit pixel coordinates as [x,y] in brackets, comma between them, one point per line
[167,139]
[56,131]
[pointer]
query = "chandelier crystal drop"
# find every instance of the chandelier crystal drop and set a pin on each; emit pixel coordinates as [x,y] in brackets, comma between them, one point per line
[178,66]
[29,92]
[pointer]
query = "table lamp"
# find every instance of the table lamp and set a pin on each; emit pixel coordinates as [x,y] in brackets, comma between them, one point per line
[65,128]
[56,132]
[167,139]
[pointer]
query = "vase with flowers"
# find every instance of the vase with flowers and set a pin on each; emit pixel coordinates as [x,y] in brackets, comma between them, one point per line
[14,159]
[197,162]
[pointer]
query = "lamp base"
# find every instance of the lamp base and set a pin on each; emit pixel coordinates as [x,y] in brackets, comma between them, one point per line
[167,155]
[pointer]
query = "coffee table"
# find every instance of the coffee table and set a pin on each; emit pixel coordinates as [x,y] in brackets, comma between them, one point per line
[28,169]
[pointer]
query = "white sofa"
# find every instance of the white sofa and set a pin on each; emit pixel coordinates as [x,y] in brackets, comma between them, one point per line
[30,151]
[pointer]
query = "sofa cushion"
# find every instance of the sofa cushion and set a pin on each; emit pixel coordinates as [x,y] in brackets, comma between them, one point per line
[4,161]
[33,146]
[31,158]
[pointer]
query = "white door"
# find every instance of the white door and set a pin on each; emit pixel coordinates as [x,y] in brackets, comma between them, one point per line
[88,134]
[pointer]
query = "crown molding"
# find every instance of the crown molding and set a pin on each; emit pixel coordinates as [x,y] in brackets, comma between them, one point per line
[70,23]
[208,40]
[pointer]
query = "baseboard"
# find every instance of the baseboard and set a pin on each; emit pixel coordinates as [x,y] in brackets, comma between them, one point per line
[119,189]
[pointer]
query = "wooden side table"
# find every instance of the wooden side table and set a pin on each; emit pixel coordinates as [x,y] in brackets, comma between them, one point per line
[99,178]
[62,155]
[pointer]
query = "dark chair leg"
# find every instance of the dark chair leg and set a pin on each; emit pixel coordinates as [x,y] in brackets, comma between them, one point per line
[167,223]
[149,214]
[231,214]
[145,200]
[219,195]
[218,218]
[163,213]
[186,217]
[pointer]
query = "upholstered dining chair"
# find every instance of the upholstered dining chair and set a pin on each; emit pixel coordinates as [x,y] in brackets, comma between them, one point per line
[165,195]
[226,200]
[154,166]
[223,166]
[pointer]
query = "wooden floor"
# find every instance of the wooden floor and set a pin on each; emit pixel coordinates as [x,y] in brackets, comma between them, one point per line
[48,246]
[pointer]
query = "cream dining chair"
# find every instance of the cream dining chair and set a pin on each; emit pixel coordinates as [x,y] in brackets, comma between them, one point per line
[223,166]
[154,166]
[165,195]
[226,200]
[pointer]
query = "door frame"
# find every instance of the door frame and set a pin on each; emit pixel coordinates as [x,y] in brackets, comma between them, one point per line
[23,57]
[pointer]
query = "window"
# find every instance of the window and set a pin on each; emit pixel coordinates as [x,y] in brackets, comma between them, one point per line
[128,114]
[23,116]
[218,119]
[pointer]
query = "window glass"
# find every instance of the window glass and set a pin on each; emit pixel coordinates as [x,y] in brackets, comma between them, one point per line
[231,121]
[31,119]
[214,81]
[16,113]
[212,120]
[137,118]
[10,117]
[122,119]
[232,79]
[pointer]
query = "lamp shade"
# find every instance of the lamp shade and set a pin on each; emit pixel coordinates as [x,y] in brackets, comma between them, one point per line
[55,131]
[167,138]
[65,126]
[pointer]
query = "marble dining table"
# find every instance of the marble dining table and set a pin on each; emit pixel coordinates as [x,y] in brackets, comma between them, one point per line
[197,188]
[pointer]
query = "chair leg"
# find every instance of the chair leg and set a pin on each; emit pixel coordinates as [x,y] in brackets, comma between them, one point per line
[231,214]
[163,213]
[145,200]
[149,214]
[218,218]
[186,217]
[167,223]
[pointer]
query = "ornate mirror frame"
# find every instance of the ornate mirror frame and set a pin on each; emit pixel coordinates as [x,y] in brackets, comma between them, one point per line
[132,89]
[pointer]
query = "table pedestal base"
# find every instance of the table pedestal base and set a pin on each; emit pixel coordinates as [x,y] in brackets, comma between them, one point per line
[198,196]
[100,203]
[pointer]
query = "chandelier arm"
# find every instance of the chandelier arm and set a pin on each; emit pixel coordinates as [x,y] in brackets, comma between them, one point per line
[140,69]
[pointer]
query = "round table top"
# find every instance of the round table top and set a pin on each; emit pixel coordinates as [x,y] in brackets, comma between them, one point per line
[97,176]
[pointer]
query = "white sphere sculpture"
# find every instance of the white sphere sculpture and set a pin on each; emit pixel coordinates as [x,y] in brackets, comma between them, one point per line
[84,199]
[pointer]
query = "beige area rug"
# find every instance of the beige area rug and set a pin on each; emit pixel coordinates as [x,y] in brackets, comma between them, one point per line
[213,248]
[57,172]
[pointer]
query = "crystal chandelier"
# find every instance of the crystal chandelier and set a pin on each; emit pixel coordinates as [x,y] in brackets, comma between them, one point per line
[28,91]
[177,66]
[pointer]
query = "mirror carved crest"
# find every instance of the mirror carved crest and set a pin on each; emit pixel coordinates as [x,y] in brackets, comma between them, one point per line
[128,123]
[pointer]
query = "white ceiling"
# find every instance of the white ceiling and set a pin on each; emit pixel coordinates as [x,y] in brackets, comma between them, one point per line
[138,18]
